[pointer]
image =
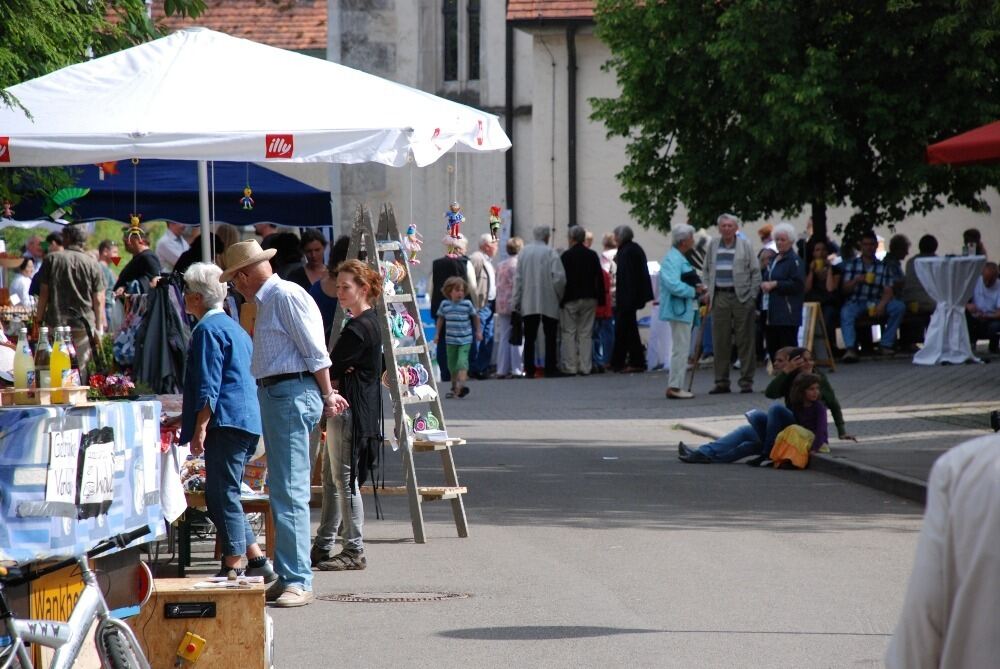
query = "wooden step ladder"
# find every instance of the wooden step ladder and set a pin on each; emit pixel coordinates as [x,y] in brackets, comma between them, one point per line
[386,244]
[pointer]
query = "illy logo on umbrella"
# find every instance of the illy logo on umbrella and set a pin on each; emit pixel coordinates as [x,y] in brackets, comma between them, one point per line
[4,149]
[278,146]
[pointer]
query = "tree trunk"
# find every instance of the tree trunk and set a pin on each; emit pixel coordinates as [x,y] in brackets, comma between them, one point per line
[819,219]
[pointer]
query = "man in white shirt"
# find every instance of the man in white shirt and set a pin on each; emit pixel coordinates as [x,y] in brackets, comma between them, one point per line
[171,245]
[982,313]
[290,362]
[485,299]
[950,615]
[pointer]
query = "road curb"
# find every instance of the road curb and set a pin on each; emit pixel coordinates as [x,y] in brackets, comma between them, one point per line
[885,480]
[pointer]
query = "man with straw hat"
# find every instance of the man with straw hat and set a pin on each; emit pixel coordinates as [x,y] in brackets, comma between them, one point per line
[290,363]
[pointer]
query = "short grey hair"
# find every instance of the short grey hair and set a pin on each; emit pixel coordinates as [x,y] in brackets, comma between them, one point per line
[486,238]
[623,234]
[729,217]
[681,232]
[203,278]
[577,234]
[541,233]
[784,228]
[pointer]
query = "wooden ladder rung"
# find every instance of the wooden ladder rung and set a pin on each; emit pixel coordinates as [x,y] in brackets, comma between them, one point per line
[388,246]
[408,350]
[413,399]
[397,299]
[421,445]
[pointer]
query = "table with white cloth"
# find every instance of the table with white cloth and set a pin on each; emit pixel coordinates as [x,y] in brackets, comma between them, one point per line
[949,282]
[72,476]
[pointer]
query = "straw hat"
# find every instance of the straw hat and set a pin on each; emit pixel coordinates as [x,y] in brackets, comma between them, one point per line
[243,254]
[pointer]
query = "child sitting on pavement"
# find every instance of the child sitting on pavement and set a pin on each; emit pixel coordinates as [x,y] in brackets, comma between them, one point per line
[809,410]
[800,360]
[458,317]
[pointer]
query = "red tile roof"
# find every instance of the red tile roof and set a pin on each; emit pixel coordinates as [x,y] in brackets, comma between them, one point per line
[549,10]
[298,25]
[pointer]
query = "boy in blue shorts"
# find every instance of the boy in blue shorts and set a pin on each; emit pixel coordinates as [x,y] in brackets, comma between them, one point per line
[460,321]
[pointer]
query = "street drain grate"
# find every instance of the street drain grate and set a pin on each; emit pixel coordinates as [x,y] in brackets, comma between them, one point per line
[392,597]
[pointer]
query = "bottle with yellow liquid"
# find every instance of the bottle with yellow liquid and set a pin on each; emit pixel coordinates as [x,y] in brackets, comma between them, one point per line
[59,367]
[24,370]
[74,368]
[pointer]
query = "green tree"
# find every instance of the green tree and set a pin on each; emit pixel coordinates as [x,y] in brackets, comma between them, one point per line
[40,36]
[765,106]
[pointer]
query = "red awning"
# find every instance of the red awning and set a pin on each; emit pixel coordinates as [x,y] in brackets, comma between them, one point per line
[981,145]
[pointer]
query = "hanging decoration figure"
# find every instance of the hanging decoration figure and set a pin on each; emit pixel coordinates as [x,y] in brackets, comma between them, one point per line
[495,222]
[455,219]
[134,226]
[412,244]
[246,201]
[8,209]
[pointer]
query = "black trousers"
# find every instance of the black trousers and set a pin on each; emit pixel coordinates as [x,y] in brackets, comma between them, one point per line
[628,351]
[551,328]
[780,336]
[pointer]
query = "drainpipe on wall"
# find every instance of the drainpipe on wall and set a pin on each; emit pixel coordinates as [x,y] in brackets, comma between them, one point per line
[571,120]
[509,117]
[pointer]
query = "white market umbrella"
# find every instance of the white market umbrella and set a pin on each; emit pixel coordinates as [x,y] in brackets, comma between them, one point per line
[204,95]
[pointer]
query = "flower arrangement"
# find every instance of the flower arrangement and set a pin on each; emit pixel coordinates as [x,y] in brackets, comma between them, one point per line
[112,385]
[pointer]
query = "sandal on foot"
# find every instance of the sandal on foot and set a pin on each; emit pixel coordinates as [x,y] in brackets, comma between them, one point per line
[449,395]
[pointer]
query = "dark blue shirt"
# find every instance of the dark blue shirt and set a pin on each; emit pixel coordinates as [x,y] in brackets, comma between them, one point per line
[218,374]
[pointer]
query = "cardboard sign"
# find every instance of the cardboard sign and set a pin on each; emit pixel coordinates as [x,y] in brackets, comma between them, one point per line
[97,475]
[60,481]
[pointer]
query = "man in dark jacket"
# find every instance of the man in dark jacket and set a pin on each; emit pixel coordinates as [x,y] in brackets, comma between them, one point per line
[453,263]
[584,292]
[633,289]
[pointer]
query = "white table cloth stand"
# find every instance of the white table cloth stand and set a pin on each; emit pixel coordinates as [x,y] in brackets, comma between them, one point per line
[949,281]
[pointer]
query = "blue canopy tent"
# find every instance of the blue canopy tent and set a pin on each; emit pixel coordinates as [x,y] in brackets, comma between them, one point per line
[168,189]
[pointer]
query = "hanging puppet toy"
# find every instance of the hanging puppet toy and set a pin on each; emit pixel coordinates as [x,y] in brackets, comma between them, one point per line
[246,201]
[134,227]
[455,220]
[412,244]
[495,222]
[8,209]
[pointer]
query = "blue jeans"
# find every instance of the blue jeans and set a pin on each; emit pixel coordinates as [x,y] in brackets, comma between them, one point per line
[227,450]
[849,313]
[481,353]
[341,507]
[289,410]
[742,442]
[604,341]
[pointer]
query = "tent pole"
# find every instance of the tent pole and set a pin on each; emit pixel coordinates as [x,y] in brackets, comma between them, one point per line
[206,224]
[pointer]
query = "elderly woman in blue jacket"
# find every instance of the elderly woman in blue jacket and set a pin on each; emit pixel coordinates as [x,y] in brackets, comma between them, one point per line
[221,416]
[784,289]
[679,289]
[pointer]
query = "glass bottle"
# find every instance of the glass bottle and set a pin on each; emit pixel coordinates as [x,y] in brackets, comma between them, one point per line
[59,366]
[74,367]
[43,353]
[24,370]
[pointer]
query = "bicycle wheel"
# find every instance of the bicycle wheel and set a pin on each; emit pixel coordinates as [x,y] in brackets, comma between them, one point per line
[118,650]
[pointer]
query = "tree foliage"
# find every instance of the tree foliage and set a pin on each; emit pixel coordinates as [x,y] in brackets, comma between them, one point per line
[765,106]
[40,36]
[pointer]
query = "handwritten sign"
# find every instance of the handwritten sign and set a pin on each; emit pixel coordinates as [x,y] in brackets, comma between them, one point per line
[60,481]
[98,474]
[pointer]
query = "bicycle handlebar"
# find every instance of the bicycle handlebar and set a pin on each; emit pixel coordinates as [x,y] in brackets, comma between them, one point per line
[119,540]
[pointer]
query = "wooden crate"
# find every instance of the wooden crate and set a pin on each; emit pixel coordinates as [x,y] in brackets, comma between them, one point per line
[236,637]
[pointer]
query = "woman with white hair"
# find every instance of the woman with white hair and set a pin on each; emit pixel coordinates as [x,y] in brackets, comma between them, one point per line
[679,288]
[221,417]
[783,287]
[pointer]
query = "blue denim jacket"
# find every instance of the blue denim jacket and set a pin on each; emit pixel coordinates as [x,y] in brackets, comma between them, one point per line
[218,374]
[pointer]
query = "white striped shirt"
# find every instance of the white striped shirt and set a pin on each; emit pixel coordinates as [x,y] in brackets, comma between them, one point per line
[288,331]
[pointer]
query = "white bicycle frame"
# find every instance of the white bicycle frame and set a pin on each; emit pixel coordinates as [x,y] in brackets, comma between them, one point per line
[67,637]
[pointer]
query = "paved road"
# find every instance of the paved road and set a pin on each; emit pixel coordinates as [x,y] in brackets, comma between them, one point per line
[593,546]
